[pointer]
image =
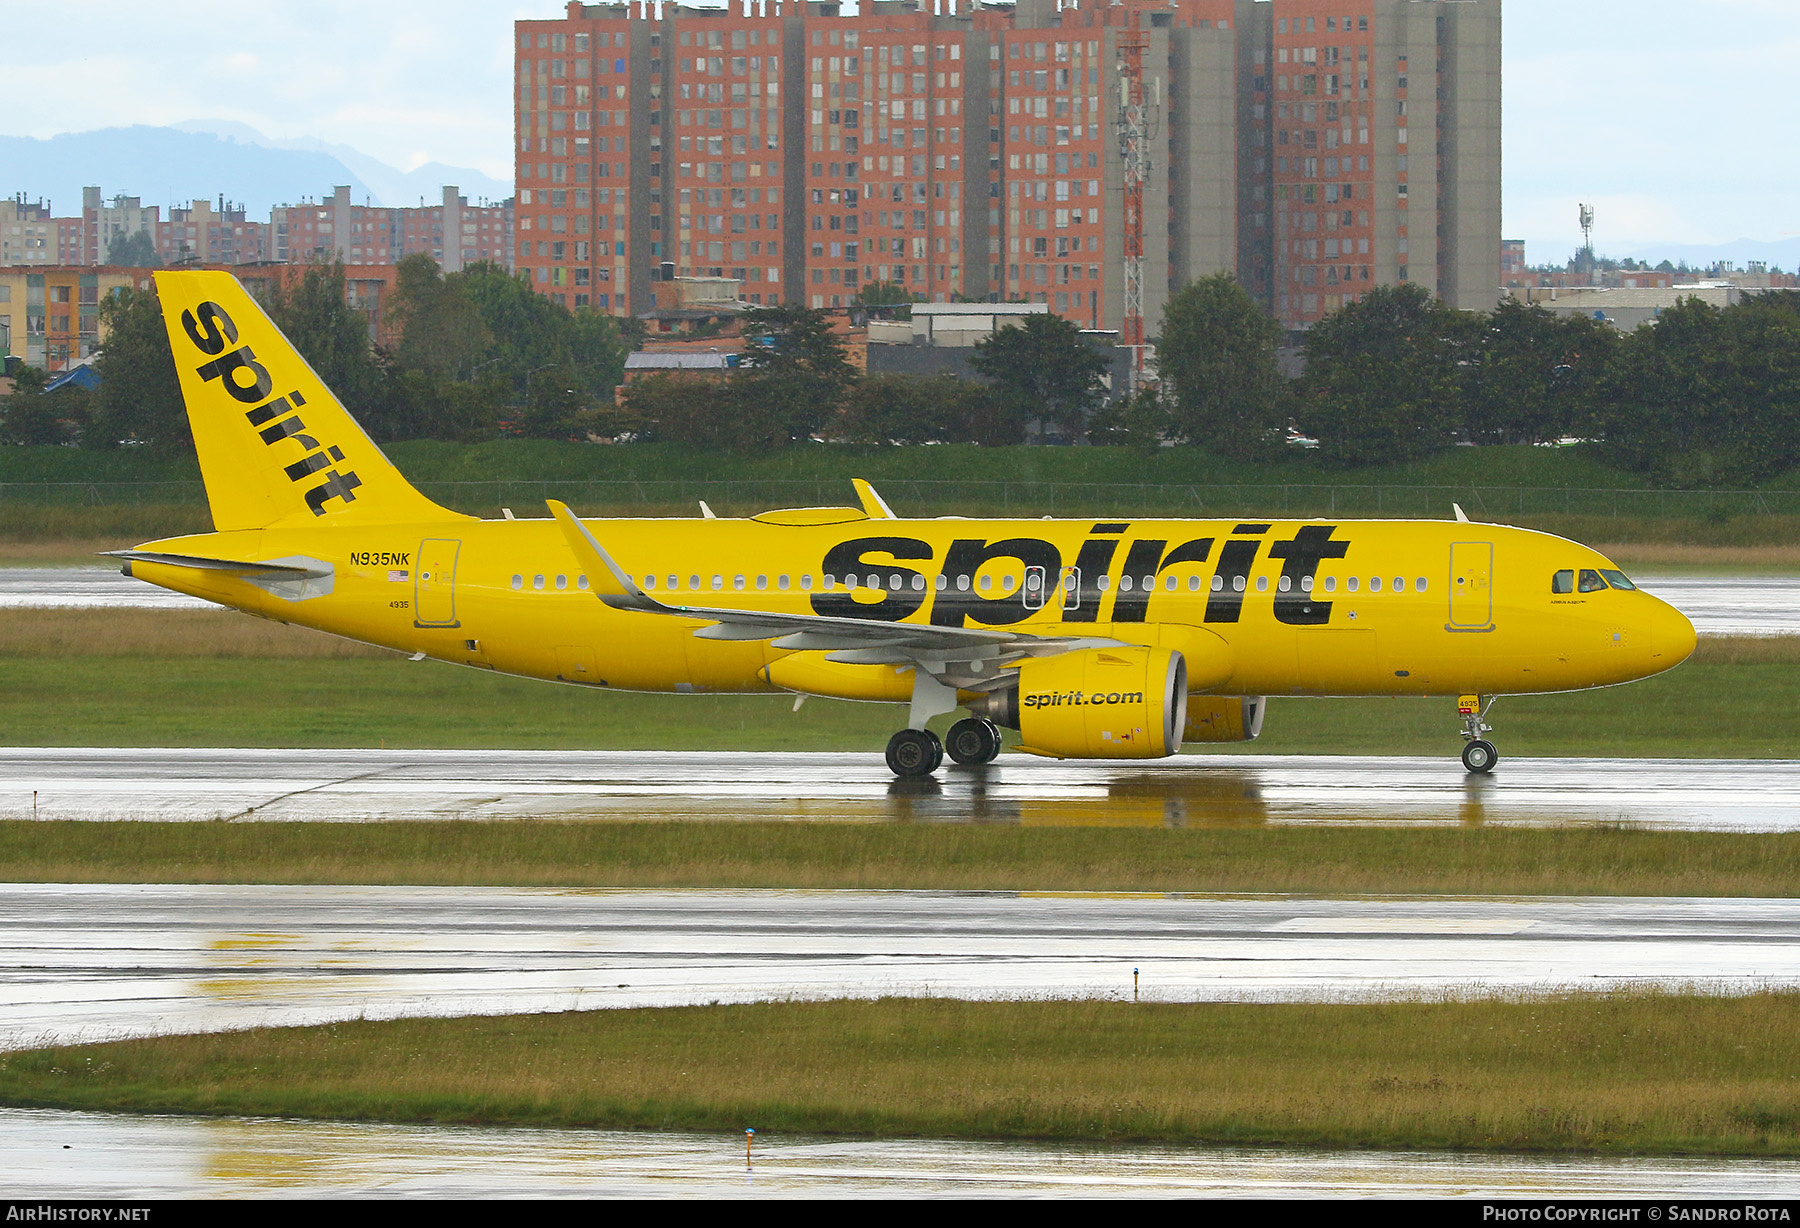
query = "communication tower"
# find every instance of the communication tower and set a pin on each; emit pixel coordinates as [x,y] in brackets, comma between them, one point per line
[1137,123]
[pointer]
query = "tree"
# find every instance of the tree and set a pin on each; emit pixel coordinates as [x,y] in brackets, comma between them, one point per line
[140,393]
[134,251]
[791,376]
[440,329]
[1140,421]
[1709,396]
[679,408]
[891,295]
[314,313]
[1043,370]
[1217,359]
[906,409]
[1381,380]
[1531,376]
[30,417]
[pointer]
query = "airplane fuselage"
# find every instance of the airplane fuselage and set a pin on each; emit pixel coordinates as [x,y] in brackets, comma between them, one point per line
[1313,607]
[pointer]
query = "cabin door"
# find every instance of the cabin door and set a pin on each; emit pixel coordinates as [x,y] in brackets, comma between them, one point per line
[434,583]
[1471,586]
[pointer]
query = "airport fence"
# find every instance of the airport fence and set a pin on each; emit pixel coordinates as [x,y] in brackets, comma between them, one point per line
[999,497]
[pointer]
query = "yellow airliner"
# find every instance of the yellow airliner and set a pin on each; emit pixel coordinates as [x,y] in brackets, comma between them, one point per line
[1103,639]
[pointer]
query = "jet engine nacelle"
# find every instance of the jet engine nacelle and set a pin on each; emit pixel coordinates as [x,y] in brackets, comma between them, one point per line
[1128,702]
[1224,718]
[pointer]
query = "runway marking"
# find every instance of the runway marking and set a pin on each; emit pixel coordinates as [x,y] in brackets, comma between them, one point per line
[1401,925]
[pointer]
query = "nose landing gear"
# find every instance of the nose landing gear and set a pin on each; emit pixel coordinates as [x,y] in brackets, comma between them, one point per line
[1479,755]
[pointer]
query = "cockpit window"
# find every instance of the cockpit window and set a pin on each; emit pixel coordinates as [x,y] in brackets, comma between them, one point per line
[1563,581]
[1617,579]
[1591,581]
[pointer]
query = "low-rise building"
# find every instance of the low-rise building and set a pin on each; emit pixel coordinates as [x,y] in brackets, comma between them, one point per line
[28,234]
[51,315]
[1625,308]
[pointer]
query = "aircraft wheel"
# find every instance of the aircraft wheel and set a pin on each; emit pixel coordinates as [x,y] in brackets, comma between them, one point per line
[914,752]
[973,741]
[1480,756]
[993,731]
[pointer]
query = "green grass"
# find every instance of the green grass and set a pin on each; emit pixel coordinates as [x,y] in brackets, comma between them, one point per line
[542,460]
[1219,851]
[1622,1074]
[1700,710]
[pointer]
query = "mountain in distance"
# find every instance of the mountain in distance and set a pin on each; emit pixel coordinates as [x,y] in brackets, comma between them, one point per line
[204,159]
[1779,253]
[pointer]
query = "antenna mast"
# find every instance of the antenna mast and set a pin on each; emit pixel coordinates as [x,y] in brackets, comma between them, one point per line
[1136,126]
[1587,236]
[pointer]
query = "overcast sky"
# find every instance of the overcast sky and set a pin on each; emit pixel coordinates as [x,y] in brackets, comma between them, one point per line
[1671,117]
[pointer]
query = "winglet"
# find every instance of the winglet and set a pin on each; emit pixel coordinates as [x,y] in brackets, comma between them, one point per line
[610,582]
[1461,516]
[872,503]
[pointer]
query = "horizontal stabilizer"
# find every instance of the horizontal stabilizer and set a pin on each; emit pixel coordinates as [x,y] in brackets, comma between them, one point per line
[205,564]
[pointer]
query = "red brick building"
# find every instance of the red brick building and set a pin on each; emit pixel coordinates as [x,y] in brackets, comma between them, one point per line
[1316,148]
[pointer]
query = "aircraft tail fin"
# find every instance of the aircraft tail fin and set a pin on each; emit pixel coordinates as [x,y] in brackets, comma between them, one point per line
[274,443]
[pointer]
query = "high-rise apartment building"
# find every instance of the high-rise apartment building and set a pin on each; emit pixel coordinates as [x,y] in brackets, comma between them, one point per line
[453,232]
[1315,148]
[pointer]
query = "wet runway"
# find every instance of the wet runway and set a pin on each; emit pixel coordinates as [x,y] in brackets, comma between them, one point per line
[1189,790]
[98,961]
[51,1154]
[1718,605]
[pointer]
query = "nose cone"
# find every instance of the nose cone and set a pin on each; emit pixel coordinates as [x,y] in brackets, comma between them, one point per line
[1670,636]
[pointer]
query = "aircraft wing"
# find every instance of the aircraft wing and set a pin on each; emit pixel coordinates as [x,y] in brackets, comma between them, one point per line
[966,657]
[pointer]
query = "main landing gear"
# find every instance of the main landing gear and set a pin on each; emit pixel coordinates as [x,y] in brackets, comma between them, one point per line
[917,752]
[914,752]
[1479,755]
[973,741]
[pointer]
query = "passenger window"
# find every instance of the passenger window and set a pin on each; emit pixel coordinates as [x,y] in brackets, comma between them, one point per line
[1306,584]
[806,582]
[1331,584]
[782,584]
[1103,583]
[581,582]
[1563,581]
[649,582]
[1237,584]
[918,583]
[1374,584]
[1350,584]
[694,583]
[562,582]
[1262,584]
[537,582]
[943,582]
[1617,579]
[762,583]
[1284,584]
[1125,583]
[1193,584]
[1419,584]
[827,581]
[987,582]
[1591,581]
[1008,583]
[674,582]
[962,584]
[1169,585]
[737,583]
[1218,583]
[718,583]
[1399,584]
[518,583]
